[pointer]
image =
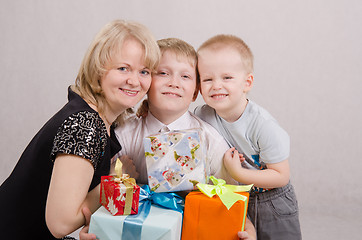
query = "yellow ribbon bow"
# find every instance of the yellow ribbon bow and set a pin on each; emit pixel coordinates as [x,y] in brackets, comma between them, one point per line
[128,182]
[226,192]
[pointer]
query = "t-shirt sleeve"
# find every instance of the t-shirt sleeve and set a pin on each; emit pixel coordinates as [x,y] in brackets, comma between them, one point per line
[274,143]
[82,134]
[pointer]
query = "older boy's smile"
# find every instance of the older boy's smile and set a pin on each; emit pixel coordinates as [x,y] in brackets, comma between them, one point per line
[171,94]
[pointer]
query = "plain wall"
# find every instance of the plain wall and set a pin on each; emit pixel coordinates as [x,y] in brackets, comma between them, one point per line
[308,68]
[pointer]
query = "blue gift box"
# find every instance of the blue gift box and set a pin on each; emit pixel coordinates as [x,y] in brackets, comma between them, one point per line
[160,224]
[151,222]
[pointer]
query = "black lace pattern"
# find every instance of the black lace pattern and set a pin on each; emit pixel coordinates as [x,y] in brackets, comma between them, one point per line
[83,134]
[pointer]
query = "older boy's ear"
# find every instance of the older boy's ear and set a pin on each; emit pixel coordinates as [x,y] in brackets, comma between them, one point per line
[249,82]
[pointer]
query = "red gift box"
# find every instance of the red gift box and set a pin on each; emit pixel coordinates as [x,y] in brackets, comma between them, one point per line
[120,196]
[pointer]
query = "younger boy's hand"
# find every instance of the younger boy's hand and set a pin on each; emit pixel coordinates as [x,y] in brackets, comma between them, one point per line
[232,160]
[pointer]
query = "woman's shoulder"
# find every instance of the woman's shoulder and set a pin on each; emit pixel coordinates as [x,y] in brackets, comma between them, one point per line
[84,125]
[86,118]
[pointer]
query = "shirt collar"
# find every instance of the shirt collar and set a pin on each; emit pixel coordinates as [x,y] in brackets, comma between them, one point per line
[154,125]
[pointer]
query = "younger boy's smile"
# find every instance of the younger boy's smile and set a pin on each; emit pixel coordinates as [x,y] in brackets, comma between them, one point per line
[219,96]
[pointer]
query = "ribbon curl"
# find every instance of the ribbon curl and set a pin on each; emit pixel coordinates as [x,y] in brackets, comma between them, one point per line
[226,192]
[132,225]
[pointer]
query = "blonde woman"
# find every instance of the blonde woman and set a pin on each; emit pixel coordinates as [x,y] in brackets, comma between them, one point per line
[59,172]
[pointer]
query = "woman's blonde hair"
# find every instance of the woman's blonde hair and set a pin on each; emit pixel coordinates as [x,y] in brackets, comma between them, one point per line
[224,40]
[100,54]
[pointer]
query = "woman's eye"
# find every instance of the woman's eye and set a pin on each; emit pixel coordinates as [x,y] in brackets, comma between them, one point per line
[207,80]
[186,76]
[228,77]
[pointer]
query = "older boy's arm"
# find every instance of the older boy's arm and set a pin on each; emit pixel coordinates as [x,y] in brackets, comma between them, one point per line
[276,175]
[128,166]
[249,233]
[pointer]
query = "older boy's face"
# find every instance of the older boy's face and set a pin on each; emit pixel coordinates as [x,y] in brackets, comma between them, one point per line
[224,83]
[173,86]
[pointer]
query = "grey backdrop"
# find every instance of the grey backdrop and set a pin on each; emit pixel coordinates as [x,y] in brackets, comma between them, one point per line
[308,67]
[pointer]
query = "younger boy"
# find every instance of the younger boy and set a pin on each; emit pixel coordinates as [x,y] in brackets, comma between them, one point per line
[225,66]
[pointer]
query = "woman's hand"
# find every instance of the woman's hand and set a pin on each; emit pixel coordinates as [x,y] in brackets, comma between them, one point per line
[83,234]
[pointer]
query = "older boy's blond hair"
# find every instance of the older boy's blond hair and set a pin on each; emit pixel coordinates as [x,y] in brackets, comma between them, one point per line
[180,48]
[224,40]
[98,59]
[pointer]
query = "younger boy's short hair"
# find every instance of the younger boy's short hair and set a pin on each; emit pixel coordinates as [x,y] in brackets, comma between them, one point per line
[227,40]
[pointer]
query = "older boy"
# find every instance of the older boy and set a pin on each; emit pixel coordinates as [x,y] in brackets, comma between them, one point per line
[225,65]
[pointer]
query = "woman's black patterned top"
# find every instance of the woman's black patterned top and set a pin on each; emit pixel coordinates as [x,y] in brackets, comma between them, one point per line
[83,134]
[75,129]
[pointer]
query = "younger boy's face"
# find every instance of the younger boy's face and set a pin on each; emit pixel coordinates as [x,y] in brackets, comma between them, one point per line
[173,85]
[224,82]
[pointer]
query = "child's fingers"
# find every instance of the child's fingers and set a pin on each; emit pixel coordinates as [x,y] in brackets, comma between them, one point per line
[229,152]
[241,157]
[235,153]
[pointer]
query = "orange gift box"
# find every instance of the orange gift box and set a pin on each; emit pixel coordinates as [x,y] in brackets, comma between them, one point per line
[208,218]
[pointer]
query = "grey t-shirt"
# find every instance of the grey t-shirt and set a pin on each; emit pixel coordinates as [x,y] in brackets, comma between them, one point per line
[256,134]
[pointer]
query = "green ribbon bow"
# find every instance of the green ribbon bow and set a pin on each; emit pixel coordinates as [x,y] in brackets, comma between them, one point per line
[226,192]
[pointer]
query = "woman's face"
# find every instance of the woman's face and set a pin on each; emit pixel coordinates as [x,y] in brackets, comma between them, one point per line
[127,82]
